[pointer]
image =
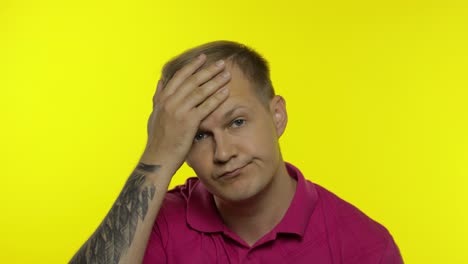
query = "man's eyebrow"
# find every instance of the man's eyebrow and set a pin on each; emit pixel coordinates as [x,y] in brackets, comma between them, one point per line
[229,113]
[226,115]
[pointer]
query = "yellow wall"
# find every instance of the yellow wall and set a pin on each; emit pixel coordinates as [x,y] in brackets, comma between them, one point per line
[376,93]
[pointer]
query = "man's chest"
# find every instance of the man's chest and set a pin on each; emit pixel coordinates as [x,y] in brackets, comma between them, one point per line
[209,248]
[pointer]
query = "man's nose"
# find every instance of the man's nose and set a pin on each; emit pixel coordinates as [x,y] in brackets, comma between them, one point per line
[224,148]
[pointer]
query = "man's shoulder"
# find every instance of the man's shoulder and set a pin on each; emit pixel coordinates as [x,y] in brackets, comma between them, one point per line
[351,230]
[346,215]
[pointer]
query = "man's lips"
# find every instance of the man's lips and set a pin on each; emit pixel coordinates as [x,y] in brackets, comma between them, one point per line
[233,172]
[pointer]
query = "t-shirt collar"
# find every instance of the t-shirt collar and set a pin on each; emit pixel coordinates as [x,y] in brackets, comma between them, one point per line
[202,214]
[297,216]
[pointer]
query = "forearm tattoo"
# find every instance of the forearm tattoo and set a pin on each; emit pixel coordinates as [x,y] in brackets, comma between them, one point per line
[148,168]
[116,232]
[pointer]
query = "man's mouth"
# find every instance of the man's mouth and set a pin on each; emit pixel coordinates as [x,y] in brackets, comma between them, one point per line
[232,173]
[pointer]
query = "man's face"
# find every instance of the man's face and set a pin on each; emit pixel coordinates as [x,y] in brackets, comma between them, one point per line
[235,153]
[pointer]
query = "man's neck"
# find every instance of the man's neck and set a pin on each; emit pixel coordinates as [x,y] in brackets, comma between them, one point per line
[253,219]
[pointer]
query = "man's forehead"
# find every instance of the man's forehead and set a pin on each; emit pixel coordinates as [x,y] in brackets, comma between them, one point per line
[226,111]
[241,97]
[230,106]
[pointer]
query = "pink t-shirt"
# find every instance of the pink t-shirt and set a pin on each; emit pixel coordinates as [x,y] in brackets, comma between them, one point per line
[318,228]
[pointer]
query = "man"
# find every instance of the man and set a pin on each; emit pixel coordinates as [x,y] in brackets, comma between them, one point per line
[215,108]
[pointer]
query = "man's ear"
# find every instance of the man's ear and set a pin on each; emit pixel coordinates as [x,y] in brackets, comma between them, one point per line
[279,114]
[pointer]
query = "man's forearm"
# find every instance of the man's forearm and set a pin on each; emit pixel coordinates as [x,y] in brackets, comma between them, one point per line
[123,234]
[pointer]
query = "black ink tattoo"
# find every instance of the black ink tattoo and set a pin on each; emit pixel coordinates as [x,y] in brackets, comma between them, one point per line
[148,168]
[115,234]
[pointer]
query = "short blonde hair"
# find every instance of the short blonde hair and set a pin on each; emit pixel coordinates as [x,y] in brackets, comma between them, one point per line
[254,67]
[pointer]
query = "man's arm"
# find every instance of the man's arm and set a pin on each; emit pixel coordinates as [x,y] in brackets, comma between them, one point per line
[178,109]
[123,234]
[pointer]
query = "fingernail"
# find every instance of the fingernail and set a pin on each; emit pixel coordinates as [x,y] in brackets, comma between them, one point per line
[201,56]
[225,74]
[220,63]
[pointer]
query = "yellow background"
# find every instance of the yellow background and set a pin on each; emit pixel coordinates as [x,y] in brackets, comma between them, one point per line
[376,93]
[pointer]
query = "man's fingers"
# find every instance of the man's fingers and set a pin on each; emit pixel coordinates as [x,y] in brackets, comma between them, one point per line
[204,75]
[158,91]
[206,78]
[200,94]
[207,73]
[159,87]
[210,104]
[181,75]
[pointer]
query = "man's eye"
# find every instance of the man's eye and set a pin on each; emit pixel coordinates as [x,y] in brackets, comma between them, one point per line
[200,136]
[238,122]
